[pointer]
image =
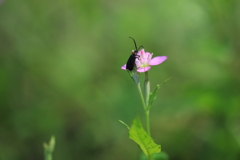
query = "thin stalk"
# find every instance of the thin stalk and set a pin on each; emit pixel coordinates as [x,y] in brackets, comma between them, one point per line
[141,96]
[147,94]
[147,122]
[48,157]
[48,148]
[146,88]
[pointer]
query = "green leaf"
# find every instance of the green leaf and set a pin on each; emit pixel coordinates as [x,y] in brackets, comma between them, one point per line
[145,142]
[124,124]
[153,95]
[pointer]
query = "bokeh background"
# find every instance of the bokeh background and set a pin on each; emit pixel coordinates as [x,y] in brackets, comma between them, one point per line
[60,75]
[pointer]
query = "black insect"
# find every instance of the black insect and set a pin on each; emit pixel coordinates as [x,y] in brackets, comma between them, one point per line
[131,60]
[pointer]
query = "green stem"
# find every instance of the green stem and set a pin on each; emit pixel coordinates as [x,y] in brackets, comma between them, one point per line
[145,99]
[147,122]
[48,148]
[141,96]
[146,88]
[147,94]
[48,157]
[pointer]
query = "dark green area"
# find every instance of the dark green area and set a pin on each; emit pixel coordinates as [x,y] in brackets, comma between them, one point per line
[60,75]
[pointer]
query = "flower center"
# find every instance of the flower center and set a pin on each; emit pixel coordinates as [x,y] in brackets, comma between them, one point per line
[142,65]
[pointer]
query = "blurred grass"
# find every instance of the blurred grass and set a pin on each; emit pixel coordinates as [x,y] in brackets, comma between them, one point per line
[60,75]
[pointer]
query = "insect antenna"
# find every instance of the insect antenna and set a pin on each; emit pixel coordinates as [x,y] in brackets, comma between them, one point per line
[140,47]
[134,43]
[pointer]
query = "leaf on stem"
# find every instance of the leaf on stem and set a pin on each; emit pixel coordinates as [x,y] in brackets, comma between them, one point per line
[145,142]
[153,95]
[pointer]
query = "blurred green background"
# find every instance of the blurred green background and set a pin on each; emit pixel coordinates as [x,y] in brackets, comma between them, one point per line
[60,75]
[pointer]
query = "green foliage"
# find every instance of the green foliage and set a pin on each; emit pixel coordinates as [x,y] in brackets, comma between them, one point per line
[49,148]
[145,142]
[153,95]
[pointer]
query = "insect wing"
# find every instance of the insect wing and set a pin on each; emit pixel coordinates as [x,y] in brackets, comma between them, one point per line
[131,62]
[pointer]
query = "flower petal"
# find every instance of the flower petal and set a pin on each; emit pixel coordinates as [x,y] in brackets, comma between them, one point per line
[124,67]
[157,60]
[145,69]
[141,52]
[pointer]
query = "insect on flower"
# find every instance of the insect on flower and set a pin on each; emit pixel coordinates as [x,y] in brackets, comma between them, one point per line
[131,60]
[142,60]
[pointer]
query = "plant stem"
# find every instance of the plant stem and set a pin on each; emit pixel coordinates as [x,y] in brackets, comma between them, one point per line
[145,99]
[146,88]
[141,96]
[48,157]
[147,122]
[147,94]
[48,148]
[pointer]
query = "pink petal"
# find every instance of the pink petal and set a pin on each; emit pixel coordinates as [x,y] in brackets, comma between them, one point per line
[145,69]
[124,67]
[149,55]
[157,60]
[141,52]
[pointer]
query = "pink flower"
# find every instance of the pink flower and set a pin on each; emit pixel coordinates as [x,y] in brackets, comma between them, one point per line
[145,61]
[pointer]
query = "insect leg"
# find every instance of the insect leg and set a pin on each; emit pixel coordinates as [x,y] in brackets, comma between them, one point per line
[137,56]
